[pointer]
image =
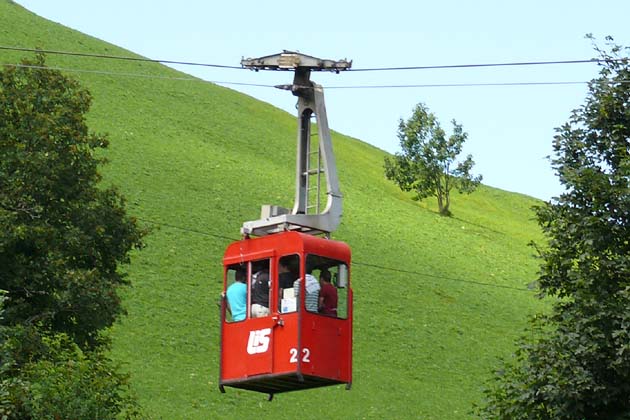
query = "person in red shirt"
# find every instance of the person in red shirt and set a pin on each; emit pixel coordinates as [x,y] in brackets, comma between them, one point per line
[327,295]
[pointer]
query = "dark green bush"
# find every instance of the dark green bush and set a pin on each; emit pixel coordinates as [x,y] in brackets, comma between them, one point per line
[50,377]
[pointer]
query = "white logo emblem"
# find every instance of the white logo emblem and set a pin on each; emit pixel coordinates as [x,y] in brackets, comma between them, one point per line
[258,341]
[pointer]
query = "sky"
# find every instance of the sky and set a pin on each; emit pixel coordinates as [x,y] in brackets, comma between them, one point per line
[510,128]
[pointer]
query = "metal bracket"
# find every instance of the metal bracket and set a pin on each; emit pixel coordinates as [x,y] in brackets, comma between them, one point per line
[309,214]
[292,60]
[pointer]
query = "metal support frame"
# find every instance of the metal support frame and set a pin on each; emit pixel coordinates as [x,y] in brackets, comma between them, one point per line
[307,215]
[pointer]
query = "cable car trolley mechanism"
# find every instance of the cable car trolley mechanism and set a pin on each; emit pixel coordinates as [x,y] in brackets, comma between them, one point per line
[286,319]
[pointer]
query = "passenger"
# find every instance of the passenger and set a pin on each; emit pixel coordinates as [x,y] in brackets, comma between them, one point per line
[237,296]
[312,292]
[260,294]
[327,295]
[286,297]
[285,277]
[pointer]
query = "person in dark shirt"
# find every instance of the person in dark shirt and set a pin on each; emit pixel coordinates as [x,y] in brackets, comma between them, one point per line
[285,277]
[327,295]
[260,294]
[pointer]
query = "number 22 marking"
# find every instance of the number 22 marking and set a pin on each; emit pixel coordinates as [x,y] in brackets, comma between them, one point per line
[306,355]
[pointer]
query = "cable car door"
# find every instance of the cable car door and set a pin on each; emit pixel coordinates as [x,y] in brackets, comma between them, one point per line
[248,341]
[261,324]
[259,359]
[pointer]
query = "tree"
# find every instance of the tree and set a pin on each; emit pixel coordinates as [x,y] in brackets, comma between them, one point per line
[427,165]
[62,240]
[578,365]
[47,376]
[62,237]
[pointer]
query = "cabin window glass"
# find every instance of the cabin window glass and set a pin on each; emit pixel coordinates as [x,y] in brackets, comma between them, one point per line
[328,292]
[288,272]
[260,284]
[236,292]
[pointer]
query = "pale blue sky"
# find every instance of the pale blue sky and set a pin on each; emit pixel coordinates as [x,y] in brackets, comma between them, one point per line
[510,128]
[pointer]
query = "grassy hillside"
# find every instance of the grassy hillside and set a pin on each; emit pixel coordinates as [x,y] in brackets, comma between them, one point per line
[437,300]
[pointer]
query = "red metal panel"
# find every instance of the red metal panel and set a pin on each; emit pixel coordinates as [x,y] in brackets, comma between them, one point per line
[285,243]
[326,346]
[285,340]
[250,249]
[247,348]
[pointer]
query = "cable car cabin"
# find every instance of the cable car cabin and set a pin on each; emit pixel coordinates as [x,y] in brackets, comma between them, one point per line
[284,327]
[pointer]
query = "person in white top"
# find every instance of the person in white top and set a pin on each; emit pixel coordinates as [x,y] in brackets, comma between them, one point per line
[312,292]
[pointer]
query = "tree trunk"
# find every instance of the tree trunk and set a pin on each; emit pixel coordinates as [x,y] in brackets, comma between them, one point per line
[440,203]
[447,197]
[444,210]
[444,200]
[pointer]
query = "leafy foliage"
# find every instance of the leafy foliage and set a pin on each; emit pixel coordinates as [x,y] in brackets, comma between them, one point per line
[579,365]
[50,377]
[61,241]
[427,165]
[61,237]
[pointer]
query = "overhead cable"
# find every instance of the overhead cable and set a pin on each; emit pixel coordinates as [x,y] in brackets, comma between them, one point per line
[402,68]
[457,85]
[381,267]
[147,76]
[479,283]
[118,57]
[214,235]
[461,66]
[224,82]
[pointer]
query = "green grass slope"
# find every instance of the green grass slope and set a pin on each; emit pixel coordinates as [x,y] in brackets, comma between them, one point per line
[437,300]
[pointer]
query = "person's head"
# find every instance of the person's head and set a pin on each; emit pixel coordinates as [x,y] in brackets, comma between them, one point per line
[283,267]
[262,276]
[324,275]
[241,275]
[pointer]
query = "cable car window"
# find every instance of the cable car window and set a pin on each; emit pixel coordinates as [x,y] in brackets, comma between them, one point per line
[288,271]
[260,283]
[236,292]
[332,293]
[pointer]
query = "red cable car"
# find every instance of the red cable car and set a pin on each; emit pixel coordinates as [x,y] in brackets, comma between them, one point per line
[294,346]
[286,319]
